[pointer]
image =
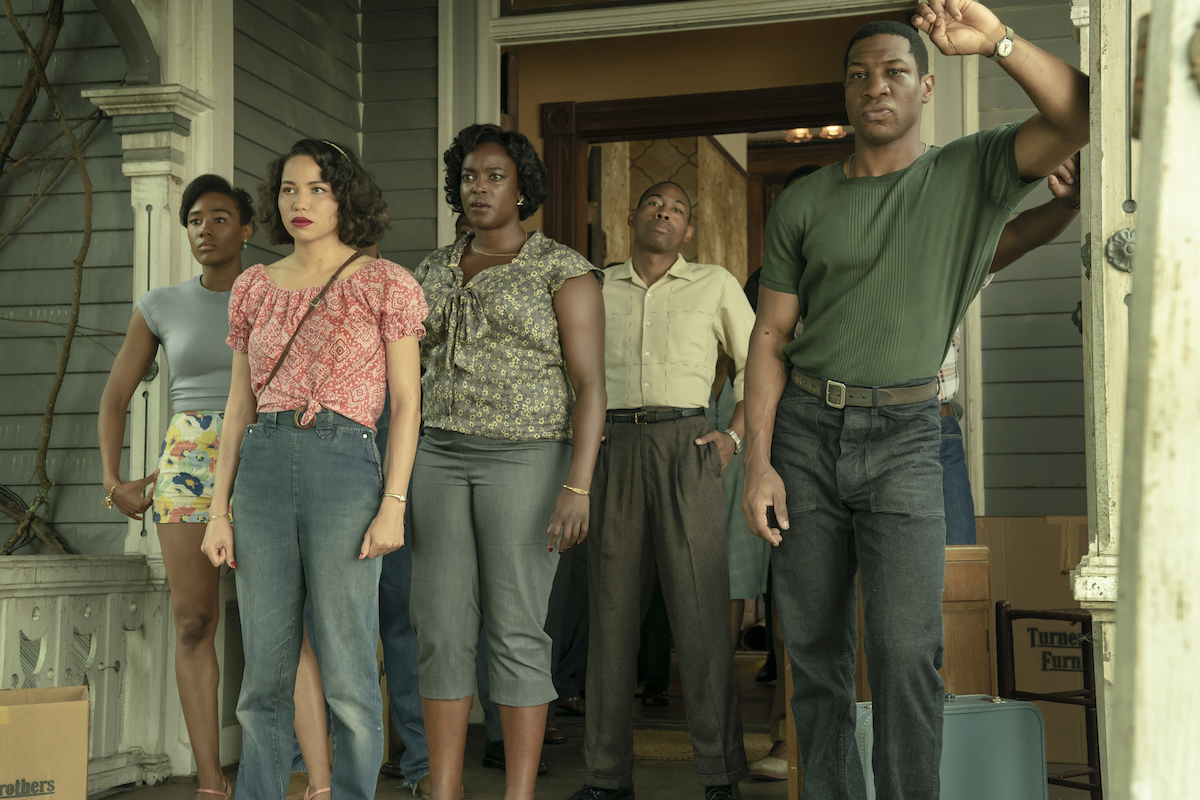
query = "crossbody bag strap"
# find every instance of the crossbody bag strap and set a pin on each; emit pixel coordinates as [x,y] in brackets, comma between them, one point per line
[312,306]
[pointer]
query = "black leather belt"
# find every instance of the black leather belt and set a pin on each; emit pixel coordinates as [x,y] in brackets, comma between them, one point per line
[643,416]
[838,395]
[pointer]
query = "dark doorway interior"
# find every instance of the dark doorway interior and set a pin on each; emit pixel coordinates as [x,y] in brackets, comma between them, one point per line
[568,129]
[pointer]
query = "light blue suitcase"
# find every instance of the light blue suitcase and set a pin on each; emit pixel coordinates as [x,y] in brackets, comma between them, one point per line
[992,749]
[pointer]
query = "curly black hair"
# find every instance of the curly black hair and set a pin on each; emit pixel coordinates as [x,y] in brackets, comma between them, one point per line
[531,172]
[362,212]
[215,184]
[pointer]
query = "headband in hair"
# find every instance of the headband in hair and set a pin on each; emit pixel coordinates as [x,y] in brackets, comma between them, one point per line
[334,146]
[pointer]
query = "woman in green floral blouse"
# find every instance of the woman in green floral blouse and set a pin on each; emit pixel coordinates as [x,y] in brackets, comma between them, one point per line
[513,412]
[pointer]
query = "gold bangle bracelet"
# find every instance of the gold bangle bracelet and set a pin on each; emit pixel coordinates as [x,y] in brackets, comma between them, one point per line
[399,497]
[576,491]
[107,502]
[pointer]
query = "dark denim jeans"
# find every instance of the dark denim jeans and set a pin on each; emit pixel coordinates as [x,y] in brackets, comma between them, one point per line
[864,495]
[400,651]
[956,485]
[302,502]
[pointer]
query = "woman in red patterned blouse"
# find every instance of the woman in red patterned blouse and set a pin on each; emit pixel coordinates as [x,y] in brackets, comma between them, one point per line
[315,506]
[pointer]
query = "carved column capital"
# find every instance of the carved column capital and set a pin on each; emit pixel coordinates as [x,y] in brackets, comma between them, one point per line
[1081,13]
[152,121]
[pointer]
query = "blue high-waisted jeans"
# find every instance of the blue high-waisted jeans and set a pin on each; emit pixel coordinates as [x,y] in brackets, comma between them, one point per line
[864,495]
[302,502]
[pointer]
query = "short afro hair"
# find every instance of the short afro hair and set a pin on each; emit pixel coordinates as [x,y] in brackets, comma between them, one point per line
[682,191]
[215,184]
[531,172]
[887,27]
[362,212]
[800,172]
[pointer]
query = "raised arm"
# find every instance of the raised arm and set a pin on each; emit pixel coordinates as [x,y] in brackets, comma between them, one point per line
[579,307]
[1035,227]
[766,378]
[133,360]
[1058,90]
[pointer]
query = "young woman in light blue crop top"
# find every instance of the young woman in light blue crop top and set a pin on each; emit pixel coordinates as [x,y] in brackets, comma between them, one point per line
[190,321]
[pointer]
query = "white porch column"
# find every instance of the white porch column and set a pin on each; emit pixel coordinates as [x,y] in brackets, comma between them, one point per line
[1108,29]
[1156,716]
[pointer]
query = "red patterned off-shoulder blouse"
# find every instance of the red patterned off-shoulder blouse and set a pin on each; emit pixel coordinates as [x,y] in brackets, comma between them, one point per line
[338,360]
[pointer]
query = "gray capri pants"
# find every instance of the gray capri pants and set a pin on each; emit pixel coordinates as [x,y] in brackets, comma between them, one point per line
[481,557]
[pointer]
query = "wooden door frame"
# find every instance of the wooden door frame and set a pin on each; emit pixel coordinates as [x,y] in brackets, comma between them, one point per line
[569,127]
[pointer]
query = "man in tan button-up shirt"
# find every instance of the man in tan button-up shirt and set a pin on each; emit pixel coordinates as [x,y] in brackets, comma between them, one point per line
[657,499]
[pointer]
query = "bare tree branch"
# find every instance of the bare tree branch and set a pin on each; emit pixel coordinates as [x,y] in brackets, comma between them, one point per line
[29,90]
[34,154]
[44,483]
[43,188]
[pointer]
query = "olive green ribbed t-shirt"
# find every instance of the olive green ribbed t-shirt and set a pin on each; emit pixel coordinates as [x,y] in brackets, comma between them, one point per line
[885,267]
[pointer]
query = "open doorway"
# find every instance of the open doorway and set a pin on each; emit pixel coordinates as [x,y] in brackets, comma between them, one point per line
[601,156]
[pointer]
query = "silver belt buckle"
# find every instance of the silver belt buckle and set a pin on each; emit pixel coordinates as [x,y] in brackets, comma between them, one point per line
[835,394]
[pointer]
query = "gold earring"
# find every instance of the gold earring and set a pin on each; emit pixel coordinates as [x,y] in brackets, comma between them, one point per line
[521,202]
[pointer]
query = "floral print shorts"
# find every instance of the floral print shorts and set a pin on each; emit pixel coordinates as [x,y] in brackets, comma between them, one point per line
[185,467]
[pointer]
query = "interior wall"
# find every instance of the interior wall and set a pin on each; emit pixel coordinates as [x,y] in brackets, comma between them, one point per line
[721,212]
[36,279]
[688,62]
[1033,425]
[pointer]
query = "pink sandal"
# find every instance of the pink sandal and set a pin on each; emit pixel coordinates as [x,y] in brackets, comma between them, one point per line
[228,790]
[308,796]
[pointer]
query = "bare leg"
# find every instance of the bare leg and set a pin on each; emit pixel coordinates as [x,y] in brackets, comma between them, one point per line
[737,610]
[446,733]
[311,731]
[524,730]
[195,606]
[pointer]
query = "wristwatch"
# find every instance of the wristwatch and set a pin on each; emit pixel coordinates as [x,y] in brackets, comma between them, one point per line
[1004,47]
[737,440]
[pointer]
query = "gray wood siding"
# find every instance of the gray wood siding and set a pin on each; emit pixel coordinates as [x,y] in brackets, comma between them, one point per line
[400,122]
[36,278]
[296,75]
[1032,353]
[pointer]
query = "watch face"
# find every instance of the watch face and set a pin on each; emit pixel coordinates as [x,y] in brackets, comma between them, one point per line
[1004,48]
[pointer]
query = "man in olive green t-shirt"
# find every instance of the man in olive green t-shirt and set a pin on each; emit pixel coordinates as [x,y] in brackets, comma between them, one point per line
[880,254]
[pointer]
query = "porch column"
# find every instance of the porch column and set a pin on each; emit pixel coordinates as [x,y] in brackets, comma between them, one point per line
[1156,716]
[1108,30]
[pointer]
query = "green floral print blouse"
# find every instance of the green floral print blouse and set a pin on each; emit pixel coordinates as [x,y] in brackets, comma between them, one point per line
[492,353]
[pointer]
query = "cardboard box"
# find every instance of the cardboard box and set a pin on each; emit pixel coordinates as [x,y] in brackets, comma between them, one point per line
[1030,559]
[44,742]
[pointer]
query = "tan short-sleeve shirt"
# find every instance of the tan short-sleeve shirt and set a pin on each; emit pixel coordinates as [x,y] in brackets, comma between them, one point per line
[660,342]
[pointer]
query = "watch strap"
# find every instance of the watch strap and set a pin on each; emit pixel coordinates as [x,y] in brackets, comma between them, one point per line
[1009,36]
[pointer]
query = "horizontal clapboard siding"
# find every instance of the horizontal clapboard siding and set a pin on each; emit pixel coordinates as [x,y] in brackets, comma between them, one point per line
[400,122]
[36,280]
[296,76]
[1032,354]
